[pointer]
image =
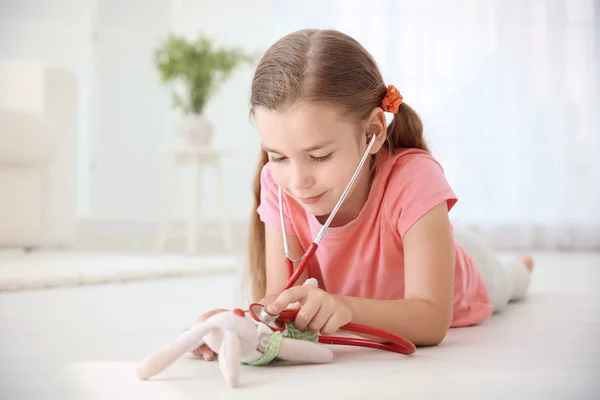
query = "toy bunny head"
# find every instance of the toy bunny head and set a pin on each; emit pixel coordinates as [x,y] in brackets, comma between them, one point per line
[237,339]
[230,334]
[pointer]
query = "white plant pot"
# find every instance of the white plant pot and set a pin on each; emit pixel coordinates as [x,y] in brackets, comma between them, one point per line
[195,130]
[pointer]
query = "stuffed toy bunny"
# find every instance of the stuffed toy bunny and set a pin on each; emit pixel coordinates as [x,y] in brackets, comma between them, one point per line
[238,339]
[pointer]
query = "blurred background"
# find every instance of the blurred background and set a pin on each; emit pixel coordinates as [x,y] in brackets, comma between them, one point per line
[125,141]
[127,156]
[508,92]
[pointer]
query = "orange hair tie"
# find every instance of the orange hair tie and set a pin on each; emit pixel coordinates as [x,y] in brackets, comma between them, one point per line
[392,100]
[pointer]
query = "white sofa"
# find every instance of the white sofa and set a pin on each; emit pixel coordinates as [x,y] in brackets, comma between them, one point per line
[38,155]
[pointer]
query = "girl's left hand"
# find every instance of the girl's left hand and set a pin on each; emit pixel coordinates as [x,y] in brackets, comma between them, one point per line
[319,310]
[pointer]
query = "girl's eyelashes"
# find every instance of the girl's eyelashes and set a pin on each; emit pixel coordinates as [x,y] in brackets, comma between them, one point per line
[323,158]
[316,159]
[276,159]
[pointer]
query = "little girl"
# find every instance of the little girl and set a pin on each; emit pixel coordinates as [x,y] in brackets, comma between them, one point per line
[390,258]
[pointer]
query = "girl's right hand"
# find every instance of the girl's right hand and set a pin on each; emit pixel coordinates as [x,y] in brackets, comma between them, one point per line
[204,351]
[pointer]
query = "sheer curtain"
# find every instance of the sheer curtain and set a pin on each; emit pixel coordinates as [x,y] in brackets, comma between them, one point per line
[509,95]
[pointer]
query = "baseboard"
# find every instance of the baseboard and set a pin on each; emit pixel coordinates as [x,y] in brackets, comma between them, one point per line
[565,238]
[95,234]
[142,236]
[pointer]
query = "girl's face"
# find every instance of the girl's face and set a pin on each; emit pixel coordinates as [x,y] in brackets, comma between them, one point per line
[313,153]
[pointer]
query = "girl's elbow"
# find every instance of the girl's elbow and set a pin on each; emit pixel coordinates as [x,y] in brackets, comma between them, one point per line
[439,336]
[443,329]
[438,329]
[433,337]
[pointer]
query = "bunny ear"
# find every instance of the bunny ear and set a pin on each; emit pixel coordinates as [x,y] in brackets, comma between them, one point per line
[229,358]
[187,341]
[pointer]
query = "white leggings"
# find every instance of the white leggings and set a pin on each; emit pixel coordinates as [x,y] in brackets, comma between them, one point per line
[505,281]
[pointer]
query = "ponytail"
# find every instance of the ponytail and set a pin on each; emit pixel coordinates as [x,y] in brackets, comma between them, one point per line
[406,130]
[256,239]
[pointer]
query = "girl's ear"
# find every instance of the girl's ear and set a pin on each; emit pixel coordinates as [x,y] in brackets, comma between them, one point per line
[376,125]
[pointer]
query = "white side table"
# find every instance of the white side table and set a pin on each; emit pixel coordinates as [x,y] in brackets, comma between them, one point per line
[198,158]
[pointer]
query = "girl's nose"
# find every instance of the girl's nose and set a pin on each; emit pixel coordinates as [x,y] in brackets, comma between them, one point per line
[301,178]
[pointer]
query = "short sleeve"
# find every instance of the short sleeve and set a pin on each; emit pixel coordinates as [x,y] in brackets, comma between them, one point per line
[268,208]
[417,185]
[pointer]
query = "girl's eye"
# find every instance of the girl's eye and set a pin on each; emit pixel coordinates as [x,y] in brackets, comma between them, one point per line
[321,159]
[317,159]
[276,159]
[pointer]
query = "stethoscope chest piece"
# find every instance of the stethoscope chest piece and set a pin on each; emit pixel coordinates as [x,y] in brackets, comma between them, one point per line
[259,314]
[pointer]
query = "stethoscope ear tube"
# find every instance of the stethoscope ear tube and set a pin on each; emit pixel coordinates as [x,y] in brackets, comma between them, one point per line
[333,212]
[303,264]
[289,262]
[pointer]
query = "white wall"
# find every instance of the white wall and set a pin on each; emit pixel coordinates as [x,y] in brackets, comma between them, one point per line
[527,157]
[125,116]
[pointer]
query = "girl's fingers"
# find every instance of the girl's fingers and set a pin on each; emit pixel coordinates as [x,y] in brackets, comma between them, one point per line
[306,313]
[289,296]
[321,317]
[332,325]
[340,316]
[205,352]
[198,351]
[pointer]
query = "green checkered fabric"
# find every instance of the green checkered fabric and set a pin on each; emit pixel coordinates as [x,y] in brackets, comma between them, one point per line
[271,351]
[272,347]
[294,333]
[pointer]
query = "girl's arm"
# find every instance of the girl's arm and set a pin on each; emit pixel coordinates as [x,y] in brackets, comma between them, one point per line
[276,271]
[425,313]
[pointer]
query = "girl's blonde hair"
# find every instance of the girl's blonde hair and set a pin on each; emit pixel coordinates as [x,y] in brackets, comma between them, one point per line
[327,67]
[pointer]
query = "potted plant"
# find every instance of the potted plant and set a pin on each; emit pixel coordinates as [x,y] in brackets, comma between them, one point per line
[195,70]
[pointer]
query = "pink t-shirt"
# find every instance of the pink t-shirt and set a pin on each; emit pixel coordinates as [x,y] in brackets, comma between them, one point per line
[365,258]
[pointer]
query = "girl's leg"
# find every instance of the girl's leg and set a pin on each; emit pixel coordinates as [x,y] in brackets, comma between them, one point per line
[520,277]
[505,282]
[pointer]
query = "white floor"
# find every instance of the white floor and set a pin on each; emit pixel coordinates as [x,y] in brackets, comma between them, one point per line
[84,343]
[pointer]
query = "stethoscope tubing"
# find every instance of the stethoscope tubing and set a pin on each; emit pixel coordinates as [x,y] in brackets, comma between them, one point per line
[293,276]
[394,343]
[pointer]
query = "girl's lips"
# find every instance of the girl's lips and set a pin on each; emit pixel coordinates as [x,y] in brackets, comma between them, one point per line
[311,200]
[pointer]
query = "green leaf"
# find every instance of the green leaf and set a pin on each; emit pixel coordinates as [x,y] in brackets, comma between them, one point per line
[198,66]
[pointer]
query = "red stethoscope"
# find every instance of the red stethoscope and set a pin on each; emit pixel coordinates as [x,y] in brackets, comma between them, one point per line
[276,323]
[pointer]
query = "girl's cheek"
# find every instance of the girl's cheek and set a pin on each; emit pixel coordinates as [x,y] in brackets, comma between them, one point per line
[279,175]
[337,171]
[278,179]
